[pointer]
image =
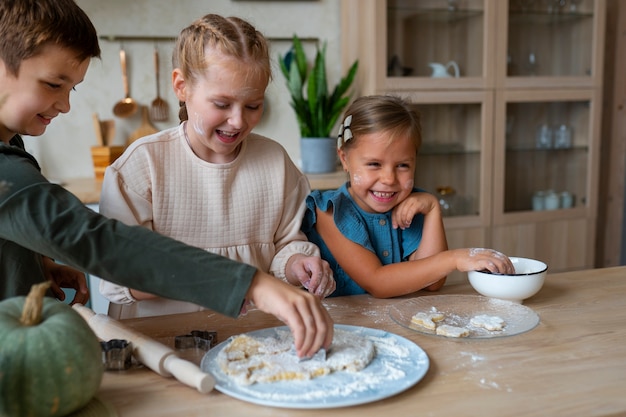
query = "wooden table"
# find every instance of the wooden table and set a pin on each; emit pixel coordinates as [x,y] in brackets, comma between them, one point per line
[572,364]
[86,189]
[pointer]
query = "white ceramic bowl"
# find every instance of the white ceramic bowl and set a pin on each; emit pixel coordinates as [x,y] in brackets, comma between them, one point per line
[528,279]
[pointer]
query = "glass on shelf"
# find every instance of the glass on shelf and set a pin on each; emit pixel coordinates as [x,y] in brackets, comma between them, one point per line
[546,167]
[562,137]
[551,200]
[550,38]
[557,137]
[449,201]
[414,27]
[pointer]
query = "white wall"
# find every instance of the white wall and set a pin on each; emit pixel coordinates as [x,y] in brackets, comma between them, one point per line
[64,150]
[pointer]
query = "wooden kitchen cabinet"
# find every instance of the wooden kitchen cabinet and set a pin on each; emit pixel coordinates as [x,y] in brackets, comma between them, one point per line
[516,135]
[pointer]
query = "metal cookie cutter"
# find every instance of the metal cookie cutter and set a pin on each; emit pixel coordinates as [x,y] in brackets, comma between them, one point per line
[116,354]
[201,339]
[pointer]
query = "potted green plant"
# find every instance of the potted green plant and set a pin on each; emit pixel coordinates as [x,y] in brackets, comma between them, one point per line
[317,109]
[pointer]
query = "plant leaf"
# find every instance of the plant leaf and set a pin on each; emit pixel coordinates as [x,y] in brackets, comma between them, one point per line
[317,111]
[294,82]
[300,58]
[285,63]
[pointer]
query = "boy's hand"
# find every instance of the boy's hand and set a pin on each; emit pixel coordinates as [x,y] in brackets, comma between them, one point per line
[313,273]
[403,214]
[62,276]
[308,320]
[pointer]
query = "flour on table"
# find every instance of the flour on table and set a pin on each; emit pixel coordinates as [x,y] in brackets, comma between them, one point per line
[493,323]
[248,360]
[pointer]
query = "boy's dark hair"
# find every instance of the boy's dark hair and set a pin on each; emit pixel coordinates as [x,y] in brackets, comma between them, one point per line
[27,25]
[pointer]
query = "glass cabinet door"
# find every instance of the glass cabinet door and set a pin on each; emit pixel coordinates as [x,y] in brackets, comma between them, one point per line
[550,38]
[451,156]
[435,38]
[546,160]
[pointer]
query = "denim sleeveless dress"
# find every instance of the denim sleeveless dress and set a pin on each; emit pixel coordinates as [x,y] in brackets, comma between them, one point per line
[373,231]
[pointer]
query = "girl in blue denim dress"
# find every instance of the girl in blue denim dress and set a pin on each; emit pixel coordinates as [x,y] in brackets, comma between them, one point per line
[379,233]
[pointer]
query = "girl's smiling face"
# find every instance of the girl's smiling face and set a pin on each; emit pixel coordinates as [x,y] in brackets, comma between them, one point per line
[381,170]
[223,106]
[40,91]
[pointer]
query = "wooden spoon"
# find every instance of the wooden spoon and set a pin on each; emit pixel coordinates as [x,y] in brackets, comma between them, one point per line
[127,106]
[98,128]
[105,130]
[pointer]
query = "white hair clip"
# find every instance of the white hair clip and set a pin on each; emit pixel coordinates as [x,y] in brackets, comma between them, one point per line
[345,134]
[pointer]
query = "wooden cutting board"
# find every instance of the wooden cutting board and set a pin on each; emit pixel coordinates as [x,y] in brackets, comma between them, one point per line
[146,128]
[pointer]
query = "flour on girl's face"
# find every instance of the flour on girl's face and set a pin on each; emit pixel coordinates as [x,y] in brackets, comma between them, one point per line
[356,179]
[197,125]
[408,185]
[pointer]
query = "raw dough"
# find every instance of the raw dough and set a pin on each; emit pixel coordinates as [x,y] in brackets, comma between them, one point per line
[452,331]
[488,322]
[248,360]
[427,320]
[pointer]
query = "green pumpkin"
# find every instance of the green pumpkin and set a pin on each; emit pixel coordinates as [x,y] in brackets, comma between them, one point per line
[49,367]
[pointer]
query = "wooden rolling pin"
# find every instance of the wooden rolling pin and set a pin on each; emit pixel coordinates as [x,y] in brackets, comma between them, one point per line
[156,356]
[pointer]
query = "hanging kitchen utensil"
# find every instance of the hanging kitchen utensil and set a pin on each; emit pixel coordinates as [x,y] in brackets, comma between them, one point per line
[105,130]
[127,106]
[159,110]
[108,131]
[144,129]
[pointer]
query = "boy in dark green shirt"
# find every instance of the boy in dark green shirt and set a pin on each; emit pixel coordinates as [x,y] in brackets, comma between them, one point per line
[45,50]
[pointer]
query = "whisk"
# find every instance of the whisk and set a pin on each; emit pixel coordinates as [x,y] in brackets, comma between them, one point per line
[159,109]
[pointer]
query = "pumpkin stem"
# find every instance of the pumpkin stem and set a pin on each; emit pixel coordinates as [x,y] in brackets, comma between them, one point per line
[31,313]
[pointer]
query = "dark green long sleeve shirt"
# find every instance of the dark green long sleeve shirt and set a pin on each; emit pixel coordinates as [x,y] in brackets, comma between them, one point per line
[38,218]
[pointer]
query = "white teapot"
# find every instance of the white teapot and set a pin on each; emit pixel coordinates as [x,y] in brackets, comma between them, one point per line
[443,71]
